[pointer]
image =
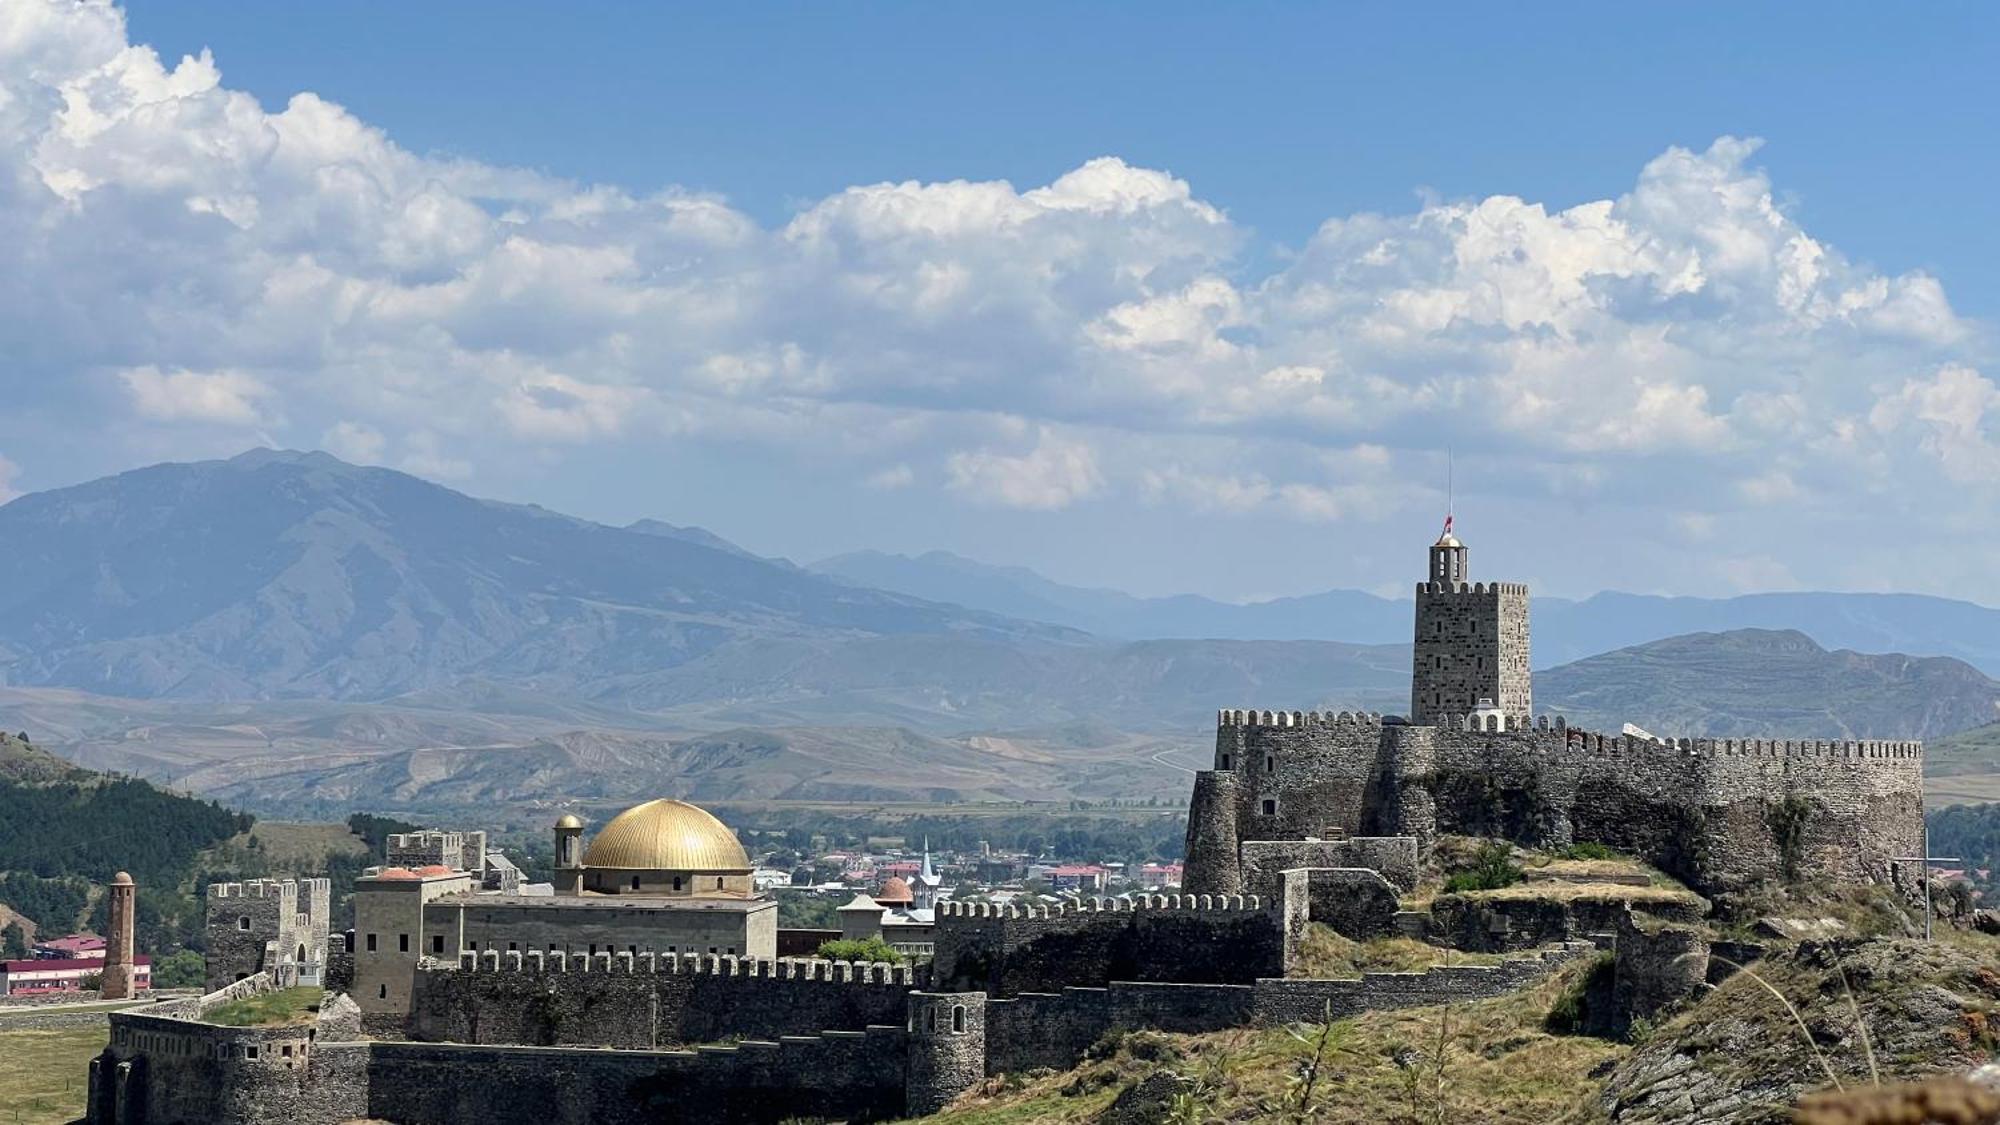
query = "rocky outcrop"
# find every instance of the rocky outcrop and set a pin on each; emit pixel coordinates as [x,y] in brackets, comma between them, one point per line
[1738,1056]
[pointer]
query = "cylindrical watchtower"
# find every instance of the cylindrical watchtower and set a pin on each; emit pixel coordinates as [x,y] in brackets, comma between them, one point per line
[947,1049]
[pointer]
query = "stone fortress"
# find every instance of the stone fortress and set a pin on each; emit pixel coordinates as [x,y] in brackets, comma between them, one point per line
[645,985]
[1306,789]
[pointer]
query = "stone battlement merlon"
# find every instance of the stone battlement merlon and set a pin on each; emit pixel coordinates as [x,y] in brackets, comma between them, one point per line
[1576,739]
[675,964]
[1579,739]
[1102,905]
[1473,589]
[1240,718]
[262,888]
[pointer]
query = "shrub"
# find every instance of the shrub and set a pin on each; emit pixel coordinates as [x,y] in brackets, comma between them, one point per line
[1492,867]
[865,949]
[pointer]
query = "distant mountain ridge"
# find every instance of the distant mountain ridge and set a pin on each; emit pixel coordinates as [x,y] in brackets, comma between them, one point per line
[298,574]
[1768,683]
[1564,629]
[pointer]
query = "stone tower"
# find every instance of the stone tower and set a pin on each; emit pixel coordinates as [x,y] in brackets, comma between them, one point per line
[947,1048]
[1471,650]
[118,981]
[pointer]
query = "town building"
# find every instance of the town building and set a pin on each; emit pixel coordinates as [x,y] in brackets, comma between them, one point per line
[663,877]
[64,974]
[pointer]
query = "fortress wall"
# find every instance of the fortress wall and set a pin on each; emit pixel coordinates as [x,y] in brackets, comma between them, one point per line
[1498,924]
[1393,857]
[1322,771]
[1040,1029]
[840,1075]
[167,1067]
[1280,1001]
[1163,938]
[1702,809]
[644,1002]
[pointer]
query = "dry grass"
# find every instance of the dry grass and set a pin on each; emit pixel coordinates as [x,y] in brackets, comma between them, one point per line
[1324,954]
[1572,892]
[292,846]
[1498,1068]
[44,1075]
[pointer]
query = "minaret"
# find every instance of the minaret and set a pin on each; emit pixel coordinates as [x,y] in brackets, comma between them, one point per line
[569,855]
[119,980]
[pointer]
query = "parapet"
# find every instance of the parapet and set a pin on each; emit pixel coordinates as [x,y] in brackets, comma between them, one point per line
[676,964]
[1100,905]
[263,888]
[1825,749]
[1578,740]
[1233,718]
[1473,589]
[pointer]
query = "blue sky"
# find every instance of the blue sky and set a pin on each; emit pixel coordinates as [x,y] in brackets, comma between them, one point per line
[1165,298]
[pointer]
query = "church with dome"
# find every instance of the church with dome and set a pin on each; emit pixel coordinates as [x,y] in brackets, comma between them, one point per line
[662,877]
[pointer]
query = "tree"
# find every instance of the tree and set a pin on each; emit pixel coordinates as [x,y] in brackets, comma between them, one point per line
[866,949]
[181,970]
[13,943]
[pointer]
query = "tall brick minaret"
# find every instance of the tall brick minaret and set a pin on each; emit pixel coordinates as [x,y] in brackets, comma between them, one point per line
[119,981]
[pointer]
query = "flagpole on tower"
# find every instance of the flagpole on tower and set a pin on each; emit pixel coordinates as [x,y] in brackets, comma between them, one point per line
[1447,490]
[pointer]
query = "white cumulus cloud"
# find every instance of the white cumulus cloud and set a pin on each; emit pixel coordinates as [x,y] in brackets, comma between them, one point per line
[179,254]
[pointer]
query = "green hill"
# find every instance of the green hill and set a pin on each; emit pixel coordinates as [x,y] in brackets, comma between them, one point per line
[65,831]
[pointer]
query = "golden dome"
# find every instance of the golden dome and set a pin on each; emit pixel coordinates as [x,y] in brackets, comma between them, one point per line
[569,820]
[666,835]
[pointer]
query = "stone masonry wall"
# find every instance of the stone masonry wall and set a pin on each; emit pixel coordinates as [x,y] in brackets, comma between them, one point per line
[244,923]
[1288,1001]
[1053,1030]
[1006,950]
[643,1001]
[1720,814]
[1471,643]
[1394,857]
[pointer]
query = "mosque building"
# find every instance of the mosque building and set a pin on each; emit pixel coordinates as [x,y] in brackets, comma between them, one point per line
[664,876]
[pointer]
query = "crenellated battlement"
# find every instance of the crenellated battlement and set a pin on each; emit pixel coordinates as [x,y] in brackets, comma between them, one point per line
[1473,589]
[1238,718]
[675,964]
[264,888]
[1589,742]
[1101,905]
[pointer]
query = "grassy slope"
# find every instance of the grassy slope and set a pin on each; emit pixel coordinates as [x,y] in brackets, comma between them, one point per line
[1500,1068]
[43,1073]
[269,1009]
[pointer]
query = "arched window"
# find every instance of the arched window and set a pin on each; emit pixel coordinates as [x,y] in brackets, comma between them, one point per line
[243,922]
[635,882]
[381,992]
[718,882]
[677,882]
[958,1019]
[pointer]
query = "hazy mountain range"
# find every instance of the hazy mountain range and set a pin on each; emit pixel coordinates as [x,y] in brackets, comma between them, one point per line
[1564,629]
[286,627]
